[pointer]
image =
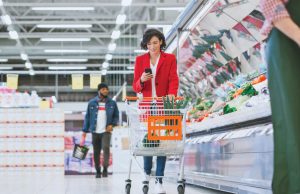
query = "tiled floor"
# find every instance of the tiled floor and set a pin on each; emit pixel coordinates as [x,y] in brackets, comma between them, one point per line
[27,183]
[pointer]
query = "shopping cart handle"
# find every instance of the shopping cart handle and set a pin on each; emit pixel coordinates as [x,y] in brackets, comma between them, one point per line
[134,98]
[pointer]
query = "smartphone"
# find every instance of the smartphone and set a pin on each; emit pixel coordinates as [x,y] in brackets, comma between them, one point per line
[148,70]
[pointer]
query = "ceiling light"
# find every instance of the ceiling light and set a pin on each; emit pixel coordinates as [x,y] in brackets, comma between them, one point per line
[31,72]
[108,57]
[130,67]
[115,34]
[170,8]
[13,35]
[24,56]
[63,8]
[6,68]
[126,2]
[104,72]
[65,39]
[28,65]
[112,46]
[6,19]
[121,18]
[140,51]
[3,60]
[67,60]
[65,68]
[64,25]
[64,51]
[159,26]
[105,65]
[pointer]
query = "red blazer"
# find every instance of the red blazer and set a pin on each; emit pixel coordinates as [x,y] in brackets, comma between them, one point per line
[166,79]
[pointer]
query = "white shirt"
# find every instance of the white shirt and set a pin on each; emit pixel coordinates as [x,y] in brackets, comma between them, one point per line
[101,118]
[153,69]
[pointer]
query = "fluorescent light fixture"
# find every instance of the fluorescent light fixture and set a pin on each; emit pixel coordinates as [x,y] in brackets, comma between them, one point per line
[24,56]
[65,68]
[63,8]
[105,65]
[170,8]
[65,39]
[115,34]
[65,51]
[112,46]
[3,60]
[67,60]
[31,72]
[130,67]
[140,51]
[104,72]
[159,26]
[13,35]
[108,57]
[126,2]
[121,18]
[64,25]
[6,68]
[6,19]
[28,65]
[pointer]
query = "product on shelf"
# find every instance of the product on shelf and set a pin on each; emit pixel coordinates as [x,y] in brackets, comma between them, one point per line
[13,99]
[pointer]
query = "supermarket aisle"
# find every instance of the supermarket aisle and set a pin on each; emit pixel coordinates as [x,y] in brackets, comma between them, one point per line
[58,184]
[115,185]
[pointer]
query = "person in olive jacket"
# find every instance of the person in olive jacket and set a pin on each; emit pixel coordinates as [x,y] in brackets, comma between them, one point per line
[101,116]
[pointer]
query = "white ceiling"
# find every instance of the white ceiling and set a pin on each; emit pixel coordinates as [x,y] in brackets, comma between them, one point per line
[101,21]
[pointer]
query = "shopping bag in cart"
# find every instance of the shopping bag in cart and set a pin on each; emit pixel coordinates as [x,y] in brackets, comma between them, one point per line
[80,152]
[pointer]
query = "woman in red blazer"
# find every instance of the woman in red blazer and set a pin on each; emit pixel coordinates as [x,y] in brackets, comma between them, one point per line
[163,81]
[166,77]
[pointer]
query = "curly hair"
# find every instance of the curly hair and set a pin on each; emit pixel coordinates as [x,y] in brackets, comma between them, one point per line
[149,34]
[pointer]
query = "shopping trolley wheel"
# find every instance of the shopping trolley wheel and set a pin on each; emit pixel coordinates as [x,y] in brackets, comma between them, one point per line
[127,188]
[145,189]
[180,189]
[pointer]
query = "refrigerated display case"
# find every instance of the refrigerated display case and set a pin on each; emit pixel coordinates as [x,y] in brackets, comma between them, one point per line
[220,64]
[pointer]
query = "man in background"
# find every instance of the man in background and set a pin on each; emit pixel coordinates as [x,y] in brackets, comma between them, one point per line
[101,116]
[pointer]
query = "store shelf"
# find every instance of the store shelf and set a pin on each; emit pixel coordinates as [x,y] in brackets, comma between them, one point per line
[31,138]
[23,122]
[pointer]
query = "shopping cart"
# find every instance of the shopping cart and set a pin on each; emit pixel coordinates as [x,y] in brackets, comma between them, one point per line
[155,131]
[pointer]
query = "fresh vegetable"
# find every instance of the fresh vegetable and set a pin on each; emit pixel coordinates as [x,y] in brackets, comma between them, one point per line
[250,91]
[150,143]
[259,79]
[227,109]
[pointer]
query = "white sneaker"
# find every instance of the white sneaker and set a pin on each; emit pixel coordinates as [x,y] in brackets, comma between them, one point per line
[159,188]
[147,178]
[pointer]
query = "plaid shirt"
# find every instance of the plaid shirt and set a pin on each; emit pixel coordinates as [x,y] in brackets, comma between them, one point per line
[273,10]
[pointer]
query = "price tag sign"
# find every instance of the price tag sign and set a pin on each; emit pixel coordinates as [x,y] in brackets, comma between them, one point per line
[77,81]
[95,79]
[12,81]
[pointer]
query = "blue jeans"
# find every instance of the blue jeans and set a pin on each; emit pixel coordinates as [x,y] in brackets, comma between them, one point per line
[160,166]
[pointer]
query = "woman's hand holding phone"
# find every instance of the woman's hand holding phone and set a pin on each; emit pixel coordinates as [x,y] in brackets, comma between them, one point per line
[146,76]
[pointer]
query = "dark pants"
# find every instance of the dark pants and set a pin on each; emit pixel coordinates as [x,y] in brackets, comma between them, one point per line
[160,165]
[101,141]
